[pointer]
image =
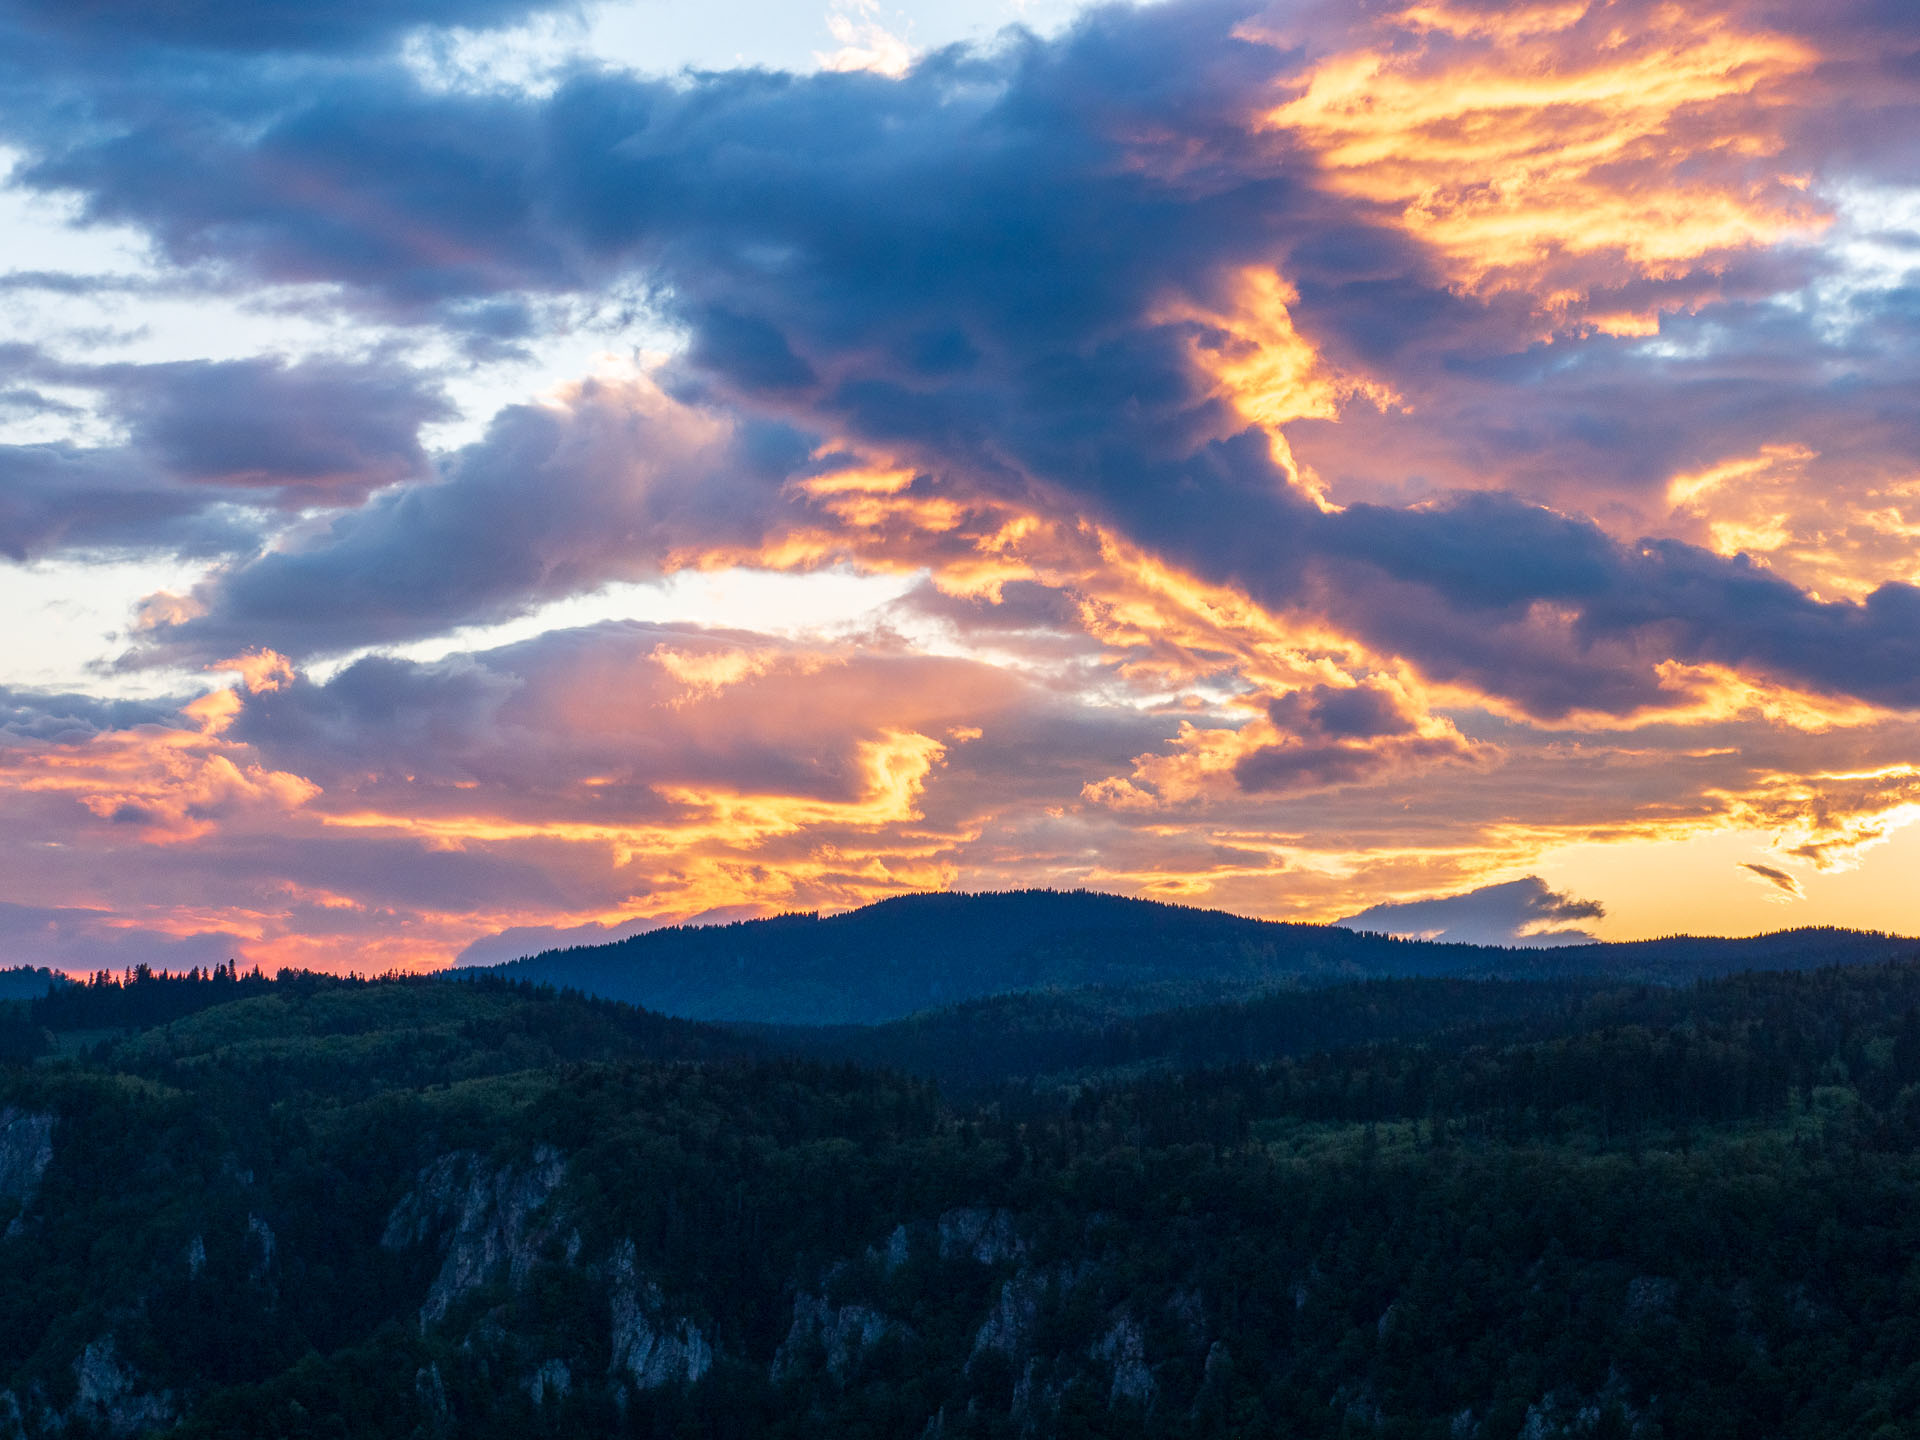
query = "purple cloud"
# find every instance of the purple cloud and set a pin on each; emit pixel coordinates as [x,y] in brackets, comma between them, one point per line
[1518,912]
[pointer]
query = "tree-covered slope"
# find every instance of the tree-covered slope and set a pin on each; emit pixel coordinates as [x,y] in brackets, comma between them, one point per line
[406,1209]
[920,952]
[1072,1036]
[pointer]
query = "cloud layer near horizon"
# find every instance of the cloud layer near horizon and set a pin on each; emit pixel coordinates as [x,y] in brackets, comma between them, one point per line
[1327,456]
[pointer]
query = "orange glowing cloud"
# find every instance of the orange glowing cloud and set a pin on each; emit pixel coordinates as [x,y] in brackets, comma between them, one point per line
[1509,137]
[892,771]
[1164,627]
[1833,530]
[165,785]
[258,670]
[1831,820]
[1261,365]
[1170,629]
[872,499]
[727,849]
[1310,739]
[704,674]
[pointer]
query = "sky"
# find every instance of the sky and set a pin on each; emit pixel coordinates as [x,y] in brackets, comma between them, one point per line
[477,474]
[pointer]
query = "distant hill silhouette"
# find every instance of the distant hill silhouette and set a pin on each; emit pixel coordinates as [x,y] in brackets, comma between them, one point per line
[23,982]
[921,952]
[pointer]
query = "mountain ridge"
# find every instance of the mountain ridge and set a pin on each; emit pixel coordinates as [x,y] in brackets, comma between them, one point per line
[912,953]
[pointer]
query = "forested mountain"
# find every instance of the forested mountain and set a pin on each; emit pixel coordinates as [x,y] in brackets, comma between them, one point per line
[237,1206]
[916,952]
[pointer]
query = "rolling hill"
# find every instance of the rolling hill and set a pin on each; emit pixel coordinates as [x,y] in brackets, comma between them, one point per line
[920,952]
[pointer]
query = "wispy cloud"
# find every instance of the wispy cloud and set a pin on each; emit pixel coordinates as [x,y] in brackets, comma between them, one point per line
[1779,879]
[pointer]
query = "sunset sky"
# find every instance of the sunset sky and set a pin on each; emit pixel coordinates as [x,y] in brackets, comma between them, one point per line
[482,472]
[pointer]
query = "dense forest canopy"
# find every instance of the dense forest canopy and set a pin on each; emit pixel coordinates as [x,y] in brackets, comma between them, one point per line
[239,1205]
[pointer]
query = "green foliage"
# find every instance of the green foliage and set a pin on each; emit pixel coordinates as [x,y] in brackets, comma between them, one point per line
[1067,1035]
[142,996]
[21,1040]
[1411,1208]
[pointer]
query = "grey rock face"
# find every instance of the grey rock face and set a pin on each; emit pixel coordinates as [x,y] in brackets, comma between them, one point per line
[845,1332]
[490,1220]
[988,1236]
[1125,1349]
[898,1249]
[431,1391]
[550,1383]
[110,1398]
[1568,1414]
[1219,1360]
[649,1347]
[1187,1308]
[261,1242]
[26,1149]
[1009,1327]
[495,1223]
[1549,1417]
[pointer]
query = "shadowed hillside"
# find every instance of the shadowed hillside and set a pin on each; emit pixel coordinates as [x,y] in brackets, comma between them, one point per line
[919,952]
[24,982]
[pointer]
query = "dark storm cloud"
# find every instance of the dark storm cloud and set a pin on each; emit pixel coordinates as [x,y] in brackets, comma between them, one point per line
[1312,766]
[384,714]
[1871,56]
[1519,912]
[1604,425]
[1002,189]
[401,873]
[1455,587]
[1358,713]
[325,174]
[253,25]
[1335,735]
[63,282]
[1023,606]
